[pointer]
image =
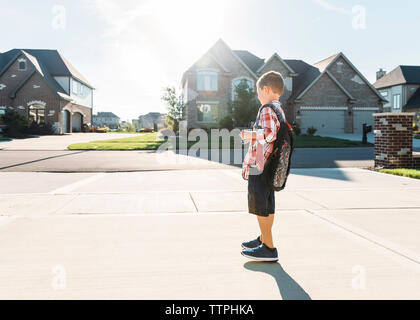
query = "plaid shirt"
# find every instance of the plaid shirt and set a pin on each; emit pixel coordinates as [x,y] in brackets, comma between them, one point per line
[260,149]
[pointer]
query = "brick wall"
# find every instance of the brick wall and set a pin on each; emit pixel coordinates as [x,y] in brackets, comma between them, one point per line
[394,141]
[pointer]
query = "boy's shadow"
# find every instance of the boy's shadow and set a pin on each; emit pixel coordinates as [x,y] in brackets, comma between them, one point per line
[289,288]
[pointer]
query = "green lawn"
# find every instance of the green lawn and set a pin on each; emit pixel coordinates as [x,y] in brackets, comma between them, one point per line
[148,141]
[4,139]
[411,173]
[417,136]
[151,141]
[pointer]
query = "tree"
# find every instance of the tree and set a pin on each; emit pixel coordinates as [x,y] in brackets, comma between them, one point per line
[175,106]
[244,107]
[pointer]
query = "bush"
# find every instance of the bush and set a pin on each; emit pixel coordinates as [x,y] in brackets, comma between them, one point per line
[17,124]
[296,128]
[146,130]
[311,131]
[105,129]
[226,123]
[40,129]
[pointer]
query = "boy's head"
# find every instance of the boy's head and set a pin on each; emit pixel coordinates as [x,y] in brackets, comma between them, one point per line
[270,86]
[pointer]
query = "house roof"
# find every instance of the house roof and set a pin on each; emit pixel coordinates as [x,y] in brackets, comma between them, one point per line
[48,63]
[414,101]
[305,75]
[106,115]
[252,61]
[400,75]
[323,64]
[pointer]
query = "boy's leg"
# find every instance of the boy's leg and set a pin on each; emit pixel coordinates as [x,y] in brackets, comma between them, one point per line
[266,224]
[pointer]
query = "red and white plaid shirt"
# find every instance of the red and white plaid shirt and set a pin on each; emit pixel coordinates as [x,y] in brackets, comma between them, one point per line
[260,149]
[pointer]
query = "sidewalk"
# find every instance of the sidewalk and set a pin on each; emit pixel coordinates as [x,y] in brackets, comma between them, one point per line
[60,142]
[341,234]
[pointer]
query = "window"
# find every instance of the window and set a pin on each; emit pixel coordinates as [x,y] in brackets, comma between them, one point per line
[339,67]
[397,101]
[82,89]
[207,112]
[74,87]
[241,82]
[22,65]
[207,81]
[37,113]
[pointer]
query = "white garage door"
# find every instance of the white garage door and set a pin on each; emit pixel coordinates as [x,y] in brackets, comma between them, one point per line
[327,122]
[361,117]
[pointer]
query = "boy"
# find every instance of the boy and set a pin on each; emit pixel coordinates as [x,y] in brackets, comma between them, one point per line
[270,87]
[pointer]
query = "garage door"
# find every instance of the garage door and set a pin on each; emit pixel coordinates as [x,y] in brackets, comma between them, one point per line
[327,122]
[76,120]
[361,117]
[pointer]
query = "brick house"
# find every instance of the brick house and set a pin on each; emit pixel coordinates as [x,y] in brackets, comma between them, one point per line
[331,95]
[401,87]
[44,86]
[108,119]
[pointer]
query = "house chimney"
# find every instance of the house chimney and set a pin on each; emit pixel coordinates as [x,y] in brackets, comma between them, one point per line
[380,74]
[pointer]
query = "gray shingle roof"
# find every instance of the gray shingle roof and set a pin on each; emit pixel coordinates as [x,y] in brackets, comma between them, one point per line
[252,61]
[414,101]
[48,63]
[400,75]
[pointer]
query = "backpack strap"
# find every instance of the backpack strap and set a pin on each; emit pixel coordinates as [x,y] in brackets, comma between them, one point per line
[278,114]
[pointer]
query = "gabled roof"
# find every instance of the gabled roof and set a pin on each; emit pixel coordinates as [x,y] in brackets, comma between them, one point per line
[414,101]
[400,75]
[323,65]
[252,61]
[53,63]
[275,55]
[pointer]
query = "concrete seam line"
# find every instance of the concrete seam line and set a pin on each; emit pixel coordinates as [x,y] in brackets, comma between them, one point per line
[68,188]
[192,199]
[410,258]
[307,199]
[63,205]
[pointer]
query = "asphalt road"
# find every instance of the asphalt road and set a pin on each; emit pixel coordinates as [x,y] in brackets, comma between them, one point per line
[115,161]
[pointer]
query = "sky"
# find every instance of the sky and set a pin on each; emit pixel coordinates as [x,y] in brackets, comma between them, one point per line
[130,50]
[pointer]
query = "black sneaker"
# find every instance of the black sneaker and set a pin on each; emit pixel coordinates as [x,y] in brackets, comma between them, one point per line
[252,244]
[261,253]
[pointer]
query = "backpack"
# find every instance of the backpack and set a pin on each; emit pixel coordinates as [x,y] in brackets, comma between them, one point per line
[277,167]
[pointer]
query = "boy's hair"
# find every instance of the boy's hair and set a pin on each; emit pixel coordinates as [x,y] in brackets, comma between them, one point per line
[272,79]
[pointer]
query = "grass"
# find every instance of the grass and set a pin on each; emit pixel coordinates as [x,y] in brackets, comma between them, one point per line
[417,136]
[148,141]
[151,141]
[5,139]
[410,173]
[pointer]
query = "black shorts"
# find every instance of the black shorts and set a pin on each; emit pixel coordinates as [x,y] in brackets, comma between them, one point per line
[260,197]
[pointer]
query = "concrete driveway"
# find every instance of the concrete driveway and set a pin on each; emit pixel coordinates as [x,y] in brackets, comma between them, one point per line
[59,142]
[341,234]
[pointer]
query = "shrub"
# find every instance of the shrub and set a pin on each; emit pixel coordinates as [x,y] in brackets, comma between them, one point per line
[105,129]
[311,131]
[296,128]
[17,124]
[40,129]
[226,123]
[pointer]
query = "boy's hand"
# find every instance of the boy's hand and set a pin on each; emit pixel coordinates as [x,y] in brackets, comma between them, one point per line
[247,135]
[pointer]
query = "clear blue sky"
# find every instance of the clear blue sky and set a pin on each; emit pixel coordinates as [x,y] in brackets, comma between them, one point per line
[129,50]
